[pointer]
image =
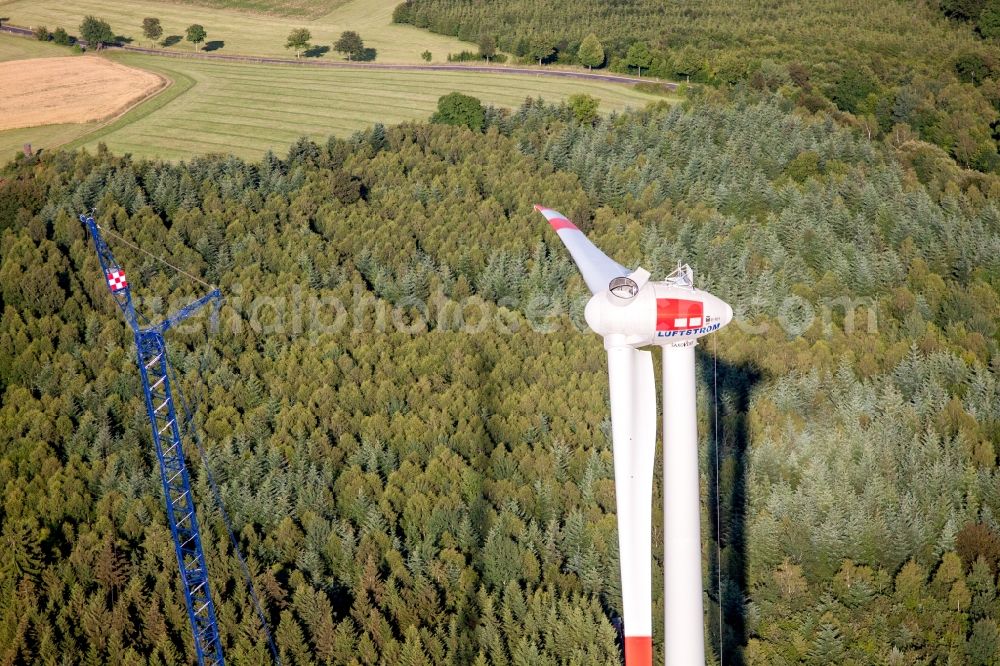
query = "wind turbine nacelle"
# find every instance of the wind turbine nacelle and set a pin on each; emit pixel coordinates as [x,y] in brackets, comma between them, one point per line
[659,313]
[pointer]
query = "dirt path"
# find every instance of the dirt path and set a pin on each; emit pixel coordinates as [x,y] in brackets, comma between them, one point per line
[487,69]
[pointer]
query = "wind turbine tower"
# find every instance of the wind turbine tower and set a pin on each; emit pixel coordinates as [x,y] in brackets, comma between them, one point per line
[630,311]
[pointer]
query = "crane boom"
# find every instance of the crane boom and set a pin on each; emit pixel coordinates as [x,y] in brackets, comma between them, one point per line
[166,432]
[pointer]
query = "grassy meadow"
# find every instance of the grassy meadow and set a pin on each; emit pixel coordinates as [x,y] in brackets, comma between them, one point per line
[232,28]
[19,48]
[308,8]
[246,109]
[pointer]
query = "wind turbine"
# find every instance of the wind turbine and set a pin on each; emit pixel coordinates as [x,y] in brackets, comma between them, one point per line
[631,311]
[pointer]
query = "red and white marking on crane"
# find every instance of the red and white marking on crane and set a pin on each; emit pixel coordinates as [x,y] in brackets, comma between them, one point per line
[116,279]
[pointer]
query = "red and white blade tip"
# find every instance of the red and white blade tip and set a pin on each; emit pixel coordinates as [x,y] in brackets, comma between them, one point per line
[555,218]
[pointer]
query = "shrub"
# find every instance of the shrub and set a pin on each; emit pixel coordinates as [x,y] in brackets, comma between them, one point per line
[61,37]
[402,13]
[458,109]
[584,108]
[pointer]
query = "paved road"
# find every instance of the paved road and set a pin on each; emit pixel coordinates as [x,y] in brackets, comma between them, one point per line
[307,62]
[15,30]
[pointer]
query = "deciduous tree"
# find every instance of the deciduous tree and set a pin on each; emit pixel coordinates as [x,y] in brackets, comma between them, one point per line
[639,56]
[458,109]
[540,49]
[96,32]
[487,47]
[196,34]
[591,52]
[584,107]
[349,43]
[298,39]
[151,28]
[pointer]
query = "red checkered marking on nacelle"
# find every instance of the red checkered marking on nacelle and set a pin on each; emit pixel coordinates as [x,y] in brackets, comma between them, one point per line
[677,314]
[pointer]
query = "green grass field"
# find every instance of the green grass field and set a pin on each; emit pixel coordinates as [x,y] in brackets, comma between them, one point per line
[248,109]
[309,8]
[241,31]
[19,48]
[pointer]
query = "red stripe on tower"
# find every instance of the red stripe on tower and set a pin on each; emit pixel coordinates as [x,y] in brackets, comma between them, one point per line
[638,651]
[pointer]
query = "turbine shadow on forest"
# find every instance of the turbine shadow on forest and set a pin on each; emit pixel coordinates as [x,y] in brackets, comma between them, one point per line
[733,387]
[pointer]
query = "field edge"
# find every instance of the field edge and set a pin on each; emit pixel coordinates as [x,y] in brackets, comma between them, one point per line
[176,84]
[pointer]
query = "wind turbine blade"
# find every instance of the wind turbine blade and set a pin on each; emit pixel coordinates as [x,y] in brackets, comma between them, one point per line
[597,268]
[633,428]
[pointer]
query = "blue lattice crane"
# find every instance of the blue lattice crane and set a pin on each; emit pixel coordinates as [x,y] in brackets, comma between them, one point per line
[166,431]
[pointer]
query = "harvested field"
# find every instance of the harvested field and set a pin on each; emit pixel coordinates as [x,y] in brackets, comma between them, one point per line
[46,91]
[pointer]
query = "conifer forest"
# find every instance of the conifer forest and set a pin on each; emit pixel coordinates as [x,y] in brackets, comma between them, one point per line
[407,417]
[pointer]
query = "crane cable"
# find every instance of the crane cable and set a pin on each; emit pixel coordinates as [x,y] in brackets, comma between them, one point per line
[192,431]
[204,457]
[718,509]
[153,256]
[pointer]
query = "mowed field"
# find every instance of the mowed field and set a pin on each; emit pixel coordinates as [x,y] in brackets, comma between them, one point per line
[311,8]
[233,30]
[248,109]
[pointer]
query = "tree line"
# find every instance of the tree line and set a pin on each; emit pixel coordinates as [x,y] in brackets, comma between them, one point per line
[349,43]
[97,33]
[896,67]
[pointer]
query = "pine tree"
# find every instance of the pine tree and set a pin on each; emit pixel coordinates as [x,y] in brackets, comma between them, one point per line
[983,644]
[412,653]
[983,587]
[827,647]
